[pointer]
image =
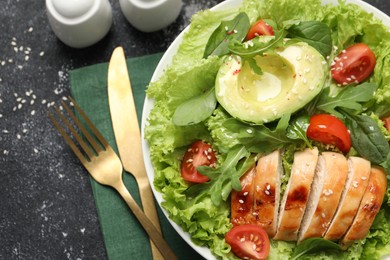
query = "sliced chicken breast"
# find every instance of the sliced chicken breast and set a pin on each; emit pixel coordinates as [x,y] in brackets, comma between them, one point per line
[242,201]
[269,170]
[359,171]
[328,185]
[369,207]
[296,195]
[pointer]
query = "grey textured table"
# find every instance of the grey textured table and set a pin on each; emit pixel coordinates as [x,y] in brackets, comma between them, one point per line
[46,206]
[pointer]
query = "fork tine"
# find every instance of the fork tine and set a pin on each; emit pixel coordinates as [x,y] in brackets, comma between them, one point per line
[68,140]
[95,131]
[87,149]
[85,132]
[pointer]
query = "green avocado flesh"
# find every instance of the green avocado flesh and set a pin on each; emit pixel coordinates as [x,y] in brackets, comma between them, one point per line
[292,76]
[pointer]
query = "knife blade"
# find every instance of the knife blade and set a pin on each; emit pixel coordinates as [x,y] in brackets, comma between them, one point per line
[127,133]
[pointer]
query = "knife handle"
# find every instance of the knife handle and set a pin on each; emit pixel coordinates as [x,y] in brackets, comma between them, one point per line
[148,226]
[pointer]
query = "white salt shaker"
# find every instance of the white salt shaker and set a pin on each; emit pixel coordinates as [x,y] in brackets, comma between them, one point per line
[78,23]
[150,15]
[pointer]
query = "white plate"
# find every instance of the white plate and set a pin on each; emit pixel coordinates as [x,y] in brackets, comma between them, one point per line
[149,103]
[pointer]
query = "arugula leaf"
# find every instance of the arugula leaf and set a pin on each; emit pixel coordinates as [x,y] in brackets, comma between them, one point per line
[313,245]
[367,139]
[196,109]
[258,45]
[298,127]
[235,29]
[315,33]
[349,97]
[260,138]
[224,178]
[253,65]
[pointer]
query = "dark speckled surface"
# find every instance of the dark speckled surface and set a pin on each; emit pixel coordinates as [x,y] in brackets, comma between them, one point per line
[46,206]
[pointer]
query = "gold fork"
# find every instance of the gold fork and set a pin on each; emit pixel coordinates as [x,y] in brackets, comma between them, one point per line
[105,167]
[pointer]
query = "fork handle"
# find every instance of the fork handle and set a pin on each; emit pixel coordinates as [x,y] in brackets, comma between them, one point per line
[150,229]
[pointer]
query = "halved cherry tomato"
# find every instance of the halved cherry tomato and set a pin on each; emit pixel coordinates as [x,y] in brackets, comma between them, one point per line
[248,241]
[259,28]
[354,64]
[328,129]
[199,154]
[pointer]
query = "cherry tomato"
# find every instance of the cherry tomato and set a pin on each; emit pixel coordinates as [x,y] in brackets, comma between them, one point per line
[354,64]
[328,129]
[199,154]
[259,28]
[248,241]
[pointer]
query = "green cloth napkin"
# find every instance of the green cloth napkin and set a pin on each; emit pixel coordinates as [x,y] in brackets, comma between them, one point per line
[124,237]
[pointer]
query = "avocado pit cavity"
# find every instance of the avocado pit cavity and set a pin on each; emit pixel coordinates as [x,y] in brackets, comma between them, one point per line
[292,76]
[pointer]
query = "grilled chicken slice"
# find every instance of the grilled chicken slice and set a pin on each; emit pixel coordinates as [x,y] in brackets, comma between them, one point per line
[328,185]
[269,170]
[296,195]
[369,207]
[242,201]
[357,181]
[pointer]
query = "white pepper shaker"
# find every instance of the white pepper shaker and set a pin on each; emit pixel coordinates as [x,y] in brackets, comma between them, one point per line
[150,15]
[77,23]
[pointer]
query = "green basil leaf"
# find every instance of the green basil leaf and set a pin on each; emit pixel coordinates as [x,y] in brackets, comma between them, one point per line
[367,139]
[313,245]
[218,43]
[315,33]
[298,127]
[196,109]
[349,97]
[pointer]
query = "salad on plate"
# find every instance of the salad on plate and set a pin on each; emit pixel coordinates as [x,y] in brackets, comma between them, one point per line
[269,131]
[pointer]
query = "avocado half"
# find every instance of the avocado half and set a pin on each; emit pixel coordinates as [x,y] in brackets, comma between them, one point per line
[292,76]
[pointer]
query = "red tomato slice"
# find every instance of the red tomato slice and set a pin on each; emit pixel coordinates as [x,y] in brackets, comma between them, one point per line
[328,129]
[248,241]
[199,154]
[354,64]
[259,28]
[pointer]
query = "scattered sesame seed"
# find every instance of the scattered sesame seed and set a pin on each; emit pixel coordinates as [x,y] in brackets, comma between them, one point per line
[364,178]
[24,131]
[6,152]
[30,29]
[33,112]
[5,131]
[249,131]
[35,150]
[32,102]
[26,58]
[241,201]
[18,136]
[13,43]
[355,184]
[245,193]
[267,192]
[41,53]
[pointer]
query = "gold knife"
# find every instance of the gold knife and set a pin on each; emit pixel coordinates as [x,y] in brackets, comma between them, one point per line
[127,133]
